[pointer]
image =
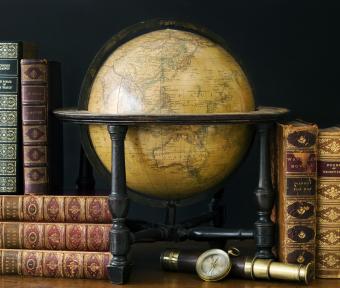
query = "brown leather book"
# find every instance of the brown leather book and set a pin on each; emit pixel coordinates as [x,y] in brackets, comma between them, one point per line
[297,163]
[54,236]
[51,209]
[328,204]
[58,264]
[41,92]
[34,100]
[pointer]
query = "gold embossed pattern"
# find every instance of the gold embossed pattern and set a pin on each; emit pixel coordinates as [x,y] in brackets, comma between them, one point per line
[329,191]
[329,237]
[329,214]
[329,146]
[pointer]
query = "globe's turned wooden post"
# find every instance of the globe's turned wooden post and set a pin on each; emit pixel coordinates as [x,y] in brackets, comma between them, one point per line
[264,227]
[119,267]
[85,181]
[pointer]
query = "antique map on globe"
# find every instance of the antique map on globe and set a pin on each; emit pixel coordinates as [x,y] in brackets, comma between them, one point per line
[172,72]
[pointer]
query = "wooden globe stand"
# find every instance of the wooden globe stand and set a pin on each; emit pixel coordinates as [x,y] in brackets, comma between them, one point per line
[120,235]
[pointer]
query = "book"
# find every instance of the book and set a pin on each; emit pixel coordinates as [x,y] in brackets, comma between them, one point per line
[34,100]
[328,204]
[10,114]
[296,184]
[54,236]
[58,264]
[40,93]
[48,208]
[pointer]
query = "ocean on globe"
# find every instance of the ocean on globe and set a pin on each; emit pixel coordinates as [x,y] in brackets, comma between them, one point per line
[172,72]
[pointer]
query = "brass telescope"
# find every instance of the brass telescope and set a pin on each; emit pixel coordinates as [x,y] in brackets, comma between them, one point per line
[204,263]
[254,268]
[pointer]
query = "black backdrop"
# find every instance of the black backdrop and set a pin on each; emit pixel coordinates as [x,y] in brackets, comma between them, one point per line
[284,46]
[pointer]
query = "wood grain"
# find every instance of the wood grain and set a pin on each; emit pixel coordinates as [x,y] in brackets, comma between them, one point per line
[261,114]
[146,273]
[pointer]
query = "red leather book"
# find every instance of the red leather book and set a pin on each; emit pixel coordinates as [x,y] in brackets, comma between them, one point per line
[39,208]
[54,236]
[42,134]
[62,264]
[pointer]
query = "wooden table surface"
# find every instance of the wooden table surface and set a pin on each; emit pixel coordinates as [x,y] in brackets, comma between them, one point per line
[146,273]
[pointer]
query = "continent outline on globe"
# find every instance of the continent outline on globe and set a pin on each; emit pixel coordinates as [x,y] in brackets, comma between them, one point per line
[191,147]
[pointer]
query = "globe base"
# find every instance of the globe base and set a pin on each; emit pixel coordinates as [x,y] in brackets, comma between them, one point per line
[119,274]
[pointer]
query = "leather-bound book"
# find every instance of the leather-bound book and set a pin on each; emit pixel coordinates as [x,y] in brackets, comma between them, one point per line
[58,264]
[52,209]
[10,114]
[41,134]
[328,204]
[54,236]
[296,184]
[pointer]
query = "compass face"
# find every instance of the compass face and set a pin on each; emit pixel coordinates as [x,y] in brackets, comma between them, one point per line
[213,265]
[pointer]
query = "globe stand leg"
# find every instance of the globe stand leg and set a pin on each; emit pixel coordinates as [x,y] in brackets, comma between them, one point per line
[264,227]
[170,215]
[119,267]
[217,209]
[85,180]
[218,214]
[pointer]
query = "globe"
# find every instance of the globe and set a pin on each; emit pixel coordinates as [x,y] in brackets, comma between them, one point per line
[169,72]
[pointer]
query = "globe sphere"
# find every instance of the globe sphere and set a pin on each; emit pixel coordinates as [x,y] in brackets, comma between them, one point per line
[171,72]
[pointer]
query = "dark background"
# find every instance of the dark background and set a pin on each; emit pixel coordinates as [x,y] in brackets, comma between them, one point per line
[285,47]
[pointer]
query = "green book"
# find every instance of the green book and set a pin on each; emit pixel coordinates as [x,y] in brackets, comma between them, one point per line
[10,116]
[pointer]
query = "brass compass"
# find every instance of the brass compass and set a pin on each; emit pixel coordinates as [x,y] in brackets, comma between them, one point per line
[215,264]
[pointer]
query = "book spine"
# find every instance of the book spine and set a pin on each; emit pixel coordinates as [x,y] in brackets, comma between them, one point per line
[297,192]
[57,264]
[52,209]
[328,206]
[34,99]
[54,236]
[10,54]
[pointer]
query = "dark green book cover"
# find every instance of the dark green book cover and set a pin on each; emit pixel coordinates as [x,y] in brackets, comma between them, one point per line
[10,114]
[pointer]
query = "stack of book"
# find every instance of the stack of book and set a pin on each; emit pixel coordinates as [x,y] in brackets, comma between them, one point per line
[55,236]
[41,234]
[308,207]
